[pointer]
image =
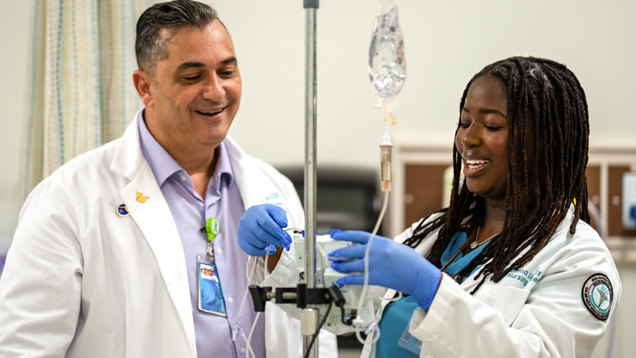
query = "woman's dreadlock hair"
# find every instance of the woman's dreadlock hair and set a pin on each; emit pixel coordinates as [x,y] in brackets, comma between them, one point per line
[546,98]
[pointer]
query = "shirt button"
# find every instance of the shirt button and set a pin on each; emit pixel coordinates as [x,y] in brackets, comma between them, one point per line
[230,299]
[243,350]
[219,250]
[183,177]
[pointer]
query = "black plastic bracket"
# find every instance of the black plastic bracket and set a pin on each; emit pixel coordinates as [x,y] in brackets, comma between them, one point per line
[304,296]
[259,297]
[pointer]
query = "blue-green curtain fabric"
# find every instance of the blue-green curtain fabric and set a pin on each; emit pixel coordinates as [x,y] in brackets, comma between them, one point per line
[80,80]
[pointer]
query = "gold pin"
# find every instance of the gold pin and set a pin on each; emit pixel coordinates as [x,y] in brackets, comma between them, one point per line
[141,198]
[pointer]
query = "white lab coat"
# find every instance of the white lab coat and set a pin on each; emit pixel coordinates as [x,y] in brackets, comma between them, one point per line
[546,318]
[81,281]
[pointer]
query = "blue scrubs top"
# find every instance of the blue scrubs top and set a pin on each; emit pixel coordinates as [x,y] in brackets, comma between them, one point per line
[397,315]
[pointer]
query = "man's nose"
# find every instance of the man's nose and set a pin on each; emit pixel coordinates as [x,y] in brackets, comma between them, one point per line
[213,89]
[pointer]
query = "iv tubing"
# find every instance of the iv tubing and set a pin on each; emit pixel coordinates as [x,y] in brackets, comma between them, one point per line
[249,337]
[366,268]
[237,327]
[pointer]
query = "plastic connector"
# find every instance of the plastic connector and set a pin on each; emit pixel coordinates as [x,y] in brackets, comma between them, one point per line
[357,322]
[385,161]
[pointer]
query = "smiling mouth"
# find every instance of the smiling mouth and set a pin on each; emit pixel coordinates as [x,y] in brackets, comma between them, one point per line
[473,166]
[210,113]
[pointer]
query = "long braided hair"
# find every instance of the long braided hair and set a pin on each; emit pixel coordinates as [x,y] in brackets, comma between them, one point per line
[546,98]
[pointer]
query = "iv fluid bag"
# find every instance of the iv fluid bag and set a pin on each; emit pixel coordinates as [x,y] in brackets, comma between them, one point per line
[387,64]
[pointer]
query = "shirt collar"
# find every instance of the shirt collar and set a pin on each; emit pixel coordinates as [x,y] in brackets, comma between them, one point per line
[223,170]
[163,166]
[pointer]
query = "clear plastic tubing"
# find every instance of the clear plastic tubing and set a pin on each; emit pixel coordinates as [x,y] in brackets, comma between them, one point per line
[387,64]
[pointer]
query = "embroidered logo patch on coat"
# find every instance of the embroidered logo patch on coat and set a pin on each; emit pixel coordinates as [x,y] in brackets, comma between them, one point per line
[598,295]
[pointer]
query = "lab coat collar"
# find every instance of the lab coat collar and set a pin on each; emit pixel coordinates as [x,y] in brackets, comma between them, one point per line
[128,158]
[472,281]
[156,223]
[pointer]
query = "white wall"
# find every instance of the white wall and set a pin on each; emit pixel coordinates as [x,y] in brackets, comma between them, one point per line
[446,43]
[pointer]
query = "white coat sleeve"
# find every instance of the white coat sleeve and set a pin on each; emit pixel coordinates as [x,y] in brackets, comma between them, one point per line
[551,320]
[40,288]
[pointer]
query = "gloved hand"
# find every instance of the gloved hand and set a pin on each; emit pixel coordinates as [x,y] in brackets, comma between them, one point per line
[391,265]
[261,226]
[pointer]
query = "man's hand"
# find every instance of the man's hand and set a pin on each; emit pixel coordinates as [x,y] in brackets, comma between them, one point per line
[262,226]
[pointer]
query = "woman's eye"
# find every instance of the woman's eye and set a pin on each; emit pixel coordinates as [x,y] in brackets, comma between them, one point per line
[193,78]
[464,125]
[492,128]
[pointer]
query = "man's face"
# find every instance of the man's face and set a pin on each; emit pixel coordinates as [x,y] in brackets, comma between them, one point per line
[196,91]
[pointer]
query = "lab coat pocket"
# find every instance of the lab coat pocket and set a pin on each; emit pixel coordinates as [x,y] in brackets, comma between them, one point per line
[507,300]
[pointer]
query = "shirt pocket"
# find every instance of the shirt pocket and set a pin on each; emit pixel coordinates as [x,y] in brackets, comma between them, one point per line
[507,300]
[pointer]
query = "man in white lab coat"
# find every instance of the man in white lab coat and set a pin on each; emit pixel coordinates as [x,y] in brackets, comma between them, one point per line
[104,262]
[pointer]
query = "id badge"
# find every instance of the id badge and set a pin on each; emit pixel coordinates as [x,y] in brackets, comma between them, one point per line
[209,287]
[408,341]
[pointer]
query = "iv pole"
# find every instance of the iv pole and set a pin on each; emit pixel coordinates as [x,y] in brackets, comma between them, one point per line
[310,315]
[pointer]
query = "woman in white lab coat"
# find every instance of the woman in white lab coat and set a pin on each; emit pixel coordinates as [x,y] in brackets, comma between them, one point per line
[511,268]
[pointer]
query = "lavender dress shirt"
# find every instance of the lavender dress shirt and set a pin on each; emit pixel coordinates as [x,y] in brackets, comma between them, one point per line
[190,212]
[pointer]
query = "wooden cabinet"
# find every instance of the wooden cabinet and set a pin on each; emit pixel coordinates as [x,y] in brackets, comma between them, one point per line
[593,174]
[424,188]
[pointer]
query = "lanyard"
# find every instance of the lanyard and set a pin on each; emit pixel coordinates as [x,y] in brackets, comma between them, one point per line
[212,228]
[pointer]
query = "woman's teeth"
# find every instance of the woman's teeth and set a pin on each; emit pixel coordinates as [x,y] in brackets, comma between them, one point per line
[476,163]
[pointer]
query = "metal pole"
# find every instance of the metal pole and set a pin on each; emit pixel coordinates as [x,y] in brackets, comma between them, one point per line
[309,321]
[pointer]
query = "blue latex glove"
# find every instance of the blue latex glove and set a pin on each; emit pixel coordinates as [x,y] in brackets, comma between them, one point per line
[391,265]
[262,226]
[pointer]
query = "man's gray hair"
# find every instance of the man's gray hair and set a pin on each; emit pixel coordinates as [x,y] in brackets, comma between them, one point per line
[172,15]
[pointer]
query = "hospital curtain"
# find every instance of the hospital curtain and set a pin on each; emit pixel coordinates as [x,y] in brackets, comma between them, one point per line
[80,80]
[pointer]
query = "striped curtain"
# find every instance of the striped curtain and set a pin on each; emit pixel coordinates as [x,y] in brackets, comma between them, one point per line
[80,81]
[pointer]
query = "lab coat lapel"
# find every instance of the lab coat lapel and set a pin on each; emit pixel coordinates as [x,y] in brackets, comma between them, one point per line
[156,224]
[471,282]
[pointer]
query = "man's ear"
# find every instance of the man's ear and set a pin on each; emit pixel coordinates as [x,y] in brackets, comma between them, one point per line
[143,84]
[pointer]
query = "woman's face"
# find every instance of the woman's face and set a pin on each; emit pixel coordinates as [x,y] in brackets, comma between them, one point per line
[482,138]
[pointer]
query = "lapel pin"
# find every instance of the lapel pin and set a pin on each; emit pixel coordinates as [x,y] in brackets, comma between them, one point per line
[122,211]
[141,198]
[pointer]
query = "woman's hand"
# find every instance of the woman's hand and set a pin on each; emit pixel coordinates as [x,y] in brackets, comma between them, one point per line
[391,265]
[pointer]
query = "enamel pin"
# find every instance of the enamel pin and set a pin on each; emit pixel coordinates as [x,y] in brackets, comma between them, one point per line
[122,211]
[141,198]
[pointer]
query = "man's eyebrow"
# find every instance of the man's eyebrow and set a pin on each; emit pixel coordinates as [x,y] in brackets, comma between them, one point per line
[229,60]
[192,64]
[186,65]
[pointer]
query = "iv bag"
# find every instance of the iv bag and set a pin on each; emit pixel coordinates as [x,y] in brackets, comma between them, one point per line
[387,64]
